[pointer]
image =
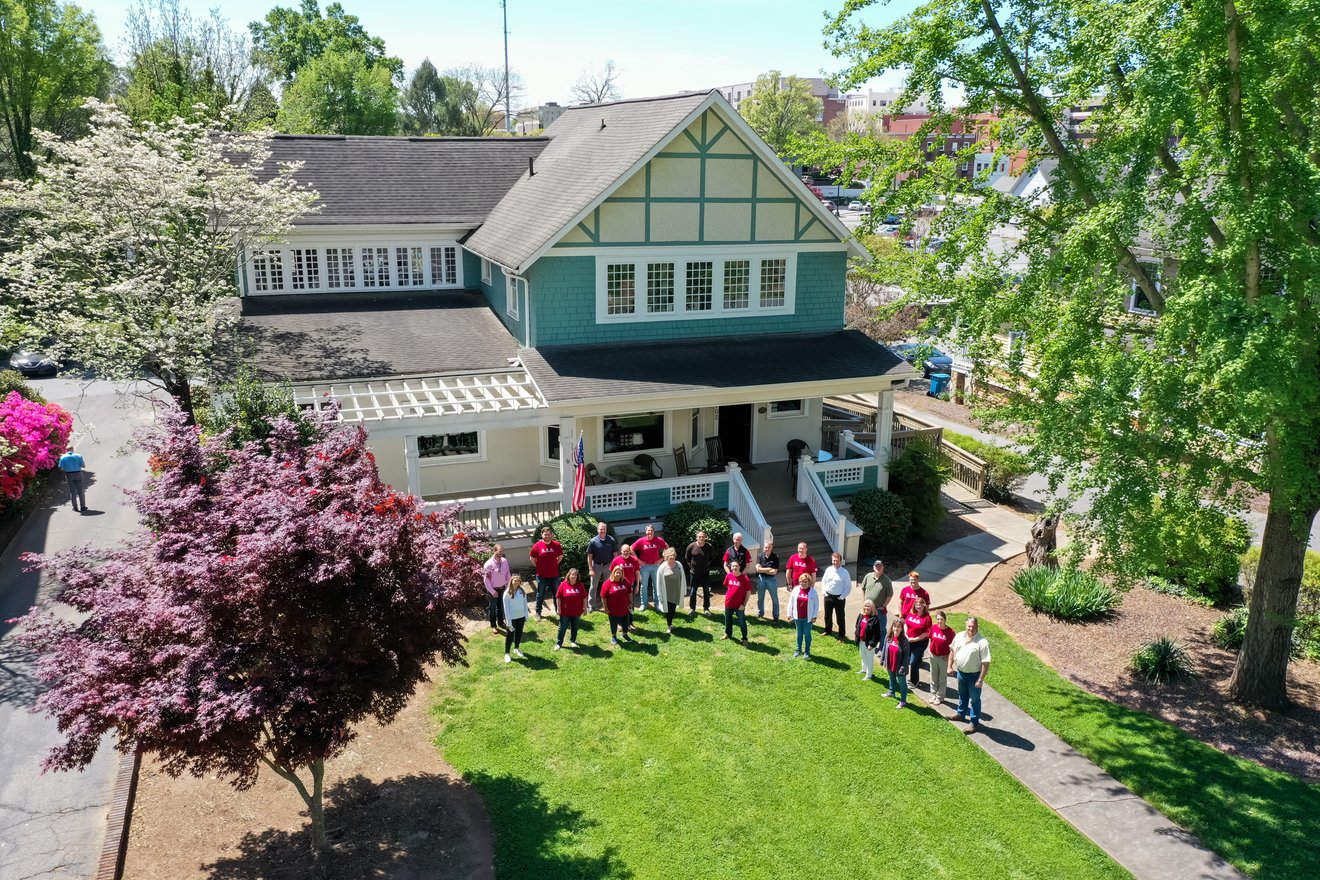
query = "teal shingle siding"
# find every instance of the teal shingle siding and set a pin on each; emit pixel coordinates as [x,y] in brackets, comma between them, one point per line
[563,291]
[494,293]
[653,504]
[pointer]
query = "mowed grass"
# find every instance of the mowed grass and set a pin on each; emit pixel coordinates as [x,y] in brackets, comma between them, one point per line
[1263,821]
[685,756]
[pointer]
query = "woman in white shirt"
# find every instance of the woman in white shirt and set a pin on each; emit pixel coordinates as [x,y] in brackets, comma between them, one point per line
[803,606]
[515,612]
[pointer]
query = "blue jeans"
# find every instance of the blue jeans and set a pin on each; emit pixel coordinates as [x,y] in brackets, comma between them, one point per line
[898,684]
[545,591]
[567,623]
[803,627]
[765,583]
[729,615]
[969,696]
[648,582]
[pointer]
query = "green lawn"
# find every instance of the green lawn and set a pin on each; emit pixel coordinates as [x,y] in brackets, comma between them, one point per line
[685,756]
[1263,821]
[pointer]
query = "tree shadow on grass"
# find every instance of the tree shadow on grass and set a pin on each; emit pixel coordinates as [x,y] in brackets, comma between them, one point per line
[1259,818]
[406,828]
[536,840]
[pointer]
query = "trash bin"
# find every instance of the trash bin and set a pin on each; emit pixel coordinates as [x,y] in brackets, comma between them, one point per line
[938,383]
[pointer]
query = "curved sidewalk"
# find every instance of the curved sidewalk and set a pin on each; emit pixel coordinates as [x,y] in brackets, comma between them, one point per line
[952,572]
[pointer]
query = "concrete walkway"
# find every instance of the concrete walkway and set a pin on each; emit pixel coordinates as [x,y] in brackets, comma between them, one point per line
[951,572]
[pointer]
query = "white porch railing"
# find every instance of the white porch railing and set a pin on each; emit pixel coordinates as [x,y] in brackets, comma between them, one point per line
[623,497]
[844,536]
[515,514]
[744,509]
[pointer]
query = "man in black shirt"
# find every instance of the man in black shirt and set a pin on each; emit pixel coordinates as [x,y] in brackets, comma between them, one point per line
[601,551]
[767,574]
[699,558]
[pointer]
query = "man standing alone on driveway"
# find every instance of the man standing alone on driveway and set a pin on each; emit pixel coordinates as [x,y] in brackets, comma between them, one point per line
[72,465]
[971,660]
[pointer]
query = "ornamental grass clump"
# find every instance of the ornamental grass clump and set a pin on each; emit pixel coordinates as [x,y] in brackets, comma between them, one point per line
[1161,660]
[1066,593]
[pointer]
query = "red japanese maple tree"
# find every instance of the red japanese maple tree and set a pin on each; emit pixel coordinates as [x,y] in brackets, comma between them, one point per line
[276,598]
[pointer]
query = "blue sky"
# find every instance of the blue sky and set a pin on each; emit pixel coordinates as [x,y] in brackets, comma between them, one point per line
[659,47]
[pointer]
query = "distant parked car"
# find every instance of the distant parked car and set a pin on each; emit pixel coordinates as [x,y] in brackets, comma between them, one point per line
[889,229]
[34,363]
[892,220]
[854,205]
[829,206]
[935,361]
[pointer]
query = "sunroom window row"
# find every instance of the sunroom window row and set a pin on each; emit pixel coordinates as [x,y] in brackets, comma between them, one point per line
[657,288]
[367,267]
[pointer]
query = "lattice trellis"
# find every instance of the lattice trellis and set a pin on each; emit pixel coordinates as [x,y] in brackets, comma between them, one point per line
[692,492]
[388,399]
[843,476]
[620,500]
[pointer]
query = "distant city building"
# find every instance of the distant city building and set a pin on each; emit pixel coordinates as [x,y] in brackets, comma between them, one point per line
[866,107]
[832,102]
[537,118]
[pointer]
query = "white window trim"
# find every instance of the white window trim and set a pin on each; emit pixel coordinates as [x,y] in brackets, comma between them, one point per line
[479,455]
[800,414]
[511,295]
[680,257]
[358,244]
[1131,302]
[485,270]
[543,437]
[665,447]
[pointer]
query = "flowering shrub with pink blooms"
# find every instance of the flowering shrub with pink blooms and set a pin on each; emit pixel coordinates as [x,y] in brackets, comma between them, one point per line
[279,595]
[32,438]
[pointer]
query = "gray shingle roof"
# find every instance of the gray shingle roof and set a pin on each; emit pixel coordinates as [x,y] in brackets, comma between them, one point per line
[582,161]
[586,372]
[361,335]
[405,180]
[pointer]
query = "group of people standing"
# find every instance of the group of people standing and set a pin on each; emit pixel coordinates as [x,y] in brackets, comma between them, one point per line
[627,578]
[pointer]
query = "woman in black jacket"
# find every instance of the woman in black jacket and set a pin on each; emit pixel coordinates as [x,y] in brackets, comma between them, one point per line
[869,632]
[896,653]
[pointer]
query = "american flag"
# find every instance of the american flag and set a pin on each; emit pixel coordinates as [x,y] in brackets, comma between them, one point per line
[579,476]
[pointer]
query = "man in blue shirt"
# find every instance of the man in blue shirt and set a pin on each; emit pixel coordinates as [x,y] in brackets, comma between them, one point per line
[72,465]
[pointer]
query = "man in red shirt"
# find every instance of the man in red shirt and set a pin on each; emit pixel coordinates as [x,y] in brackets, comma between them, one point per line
[649,550]
[798,564]
[737,587]
[913,591]
[545,555]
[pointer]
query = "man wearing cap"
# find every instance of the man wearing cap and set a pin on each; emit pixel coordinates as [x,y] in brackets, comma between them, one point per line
[877,587]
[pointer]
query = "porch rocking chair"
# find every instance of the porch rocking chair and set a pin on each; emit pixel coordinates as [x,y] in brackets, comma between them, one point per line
[593,476]
[680,461]
[715,460]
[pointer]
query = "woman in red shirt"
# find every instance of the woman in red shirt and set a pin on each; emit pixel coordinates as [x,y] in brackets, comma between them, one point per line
[913,591]
[896,652]
[941,640]
[617,594]
[570,602]
[918,625]
[737,587]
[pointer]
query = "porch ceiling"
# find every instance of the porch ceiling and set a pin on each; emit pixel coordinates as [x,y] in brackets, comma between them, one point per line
[411,400]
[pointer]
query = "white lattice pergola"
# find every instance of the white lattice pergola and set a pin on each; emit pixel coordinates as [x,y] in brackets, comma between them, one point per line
[383,400]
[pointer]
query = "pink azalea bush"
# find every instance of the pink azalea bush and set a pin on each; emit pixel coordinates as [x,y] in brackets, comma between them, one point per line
[32,438]
[277,597]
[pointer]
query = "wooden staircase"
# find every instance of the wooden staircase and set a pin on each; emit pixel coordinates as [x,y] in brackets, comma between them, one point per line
[790,520]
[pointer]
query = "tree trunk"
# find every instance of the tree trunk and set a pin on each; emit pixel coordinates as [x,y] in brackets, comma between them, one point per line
[1260,676]
[316,809]
[1043,543]
[181,391]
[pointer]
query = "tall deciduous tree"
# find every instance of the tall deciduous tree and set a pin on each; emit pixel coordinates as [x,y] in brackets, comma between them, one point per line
[51,61]
[596,86]
[337,92]
[1193,189]
[129,239]
[288,39]
[430,103]
[780,108]
[483,96]
[278,596]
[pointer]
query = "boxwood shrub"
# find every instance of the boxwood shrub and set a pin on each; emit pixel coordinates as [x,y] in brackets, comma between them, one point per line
[883,518]
[916,477]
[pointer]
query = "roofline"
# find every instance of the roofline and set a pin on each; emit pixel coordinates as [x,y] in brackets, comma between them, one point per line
[438,139]
[757,144]
[670,97]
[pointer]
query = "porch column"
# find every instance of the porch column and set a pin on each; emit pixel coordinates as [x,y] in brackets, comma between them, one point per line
[884,435]
[845,437]
[567,449]
[412,465]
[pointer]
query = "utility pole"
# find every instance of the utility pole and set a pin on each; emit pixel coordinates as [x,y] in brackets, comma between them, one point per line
[508,99]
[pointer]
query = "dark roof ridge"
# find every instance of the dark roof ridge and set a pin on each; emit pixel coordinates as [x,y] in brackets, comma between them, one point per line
[670,97]
[400,138]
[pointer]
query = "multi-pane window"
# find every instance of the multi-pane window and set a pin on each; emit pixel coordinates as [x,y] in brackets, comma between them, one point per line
[408,267]
[437,446]
[700,286]
[306,271]
[659,287]
[485,270]
[339,270]
[444,265]
[375,267]
[737,284]
[620,288]
[634,433]
[774,274]
[268,271]
[511,296]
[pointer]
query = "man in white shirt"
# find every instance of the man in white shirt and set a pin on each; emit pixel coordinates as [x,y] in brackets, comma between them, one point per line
[970,654]
[836,584]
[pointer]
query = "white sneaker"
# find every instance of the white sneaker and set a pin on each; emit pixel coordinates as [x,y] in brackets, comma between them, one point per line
[572,644]
[508,659]
[519,654]
[558,646]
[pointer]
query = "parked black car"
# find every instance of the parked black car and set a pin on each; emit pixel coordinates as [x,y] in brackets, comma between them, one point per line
[33,363]
[935,361]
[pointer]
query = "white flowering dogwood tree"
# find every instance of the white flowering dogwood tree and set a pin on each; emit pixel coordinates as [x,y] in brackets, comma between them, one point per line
[129,240]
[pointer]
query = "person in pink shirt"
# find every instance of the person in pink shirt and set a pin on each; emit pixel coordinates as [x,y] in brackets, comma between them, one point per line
[545,555]
[910,593]
[941,640]
[798,564]
[918,624]
[570,602]
[737,587]
[649,550]
[495,574]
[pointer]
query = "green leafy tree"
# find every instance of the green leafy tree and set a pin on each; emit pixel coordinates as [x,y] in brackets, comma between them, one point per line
[1194,190]
[780,108]
[289,39]
[430,103]
[339,93]
[51,60]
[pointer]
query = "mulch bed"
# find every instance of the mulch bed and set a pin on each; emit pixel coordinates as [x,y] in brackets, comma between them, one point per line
[1095,657]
